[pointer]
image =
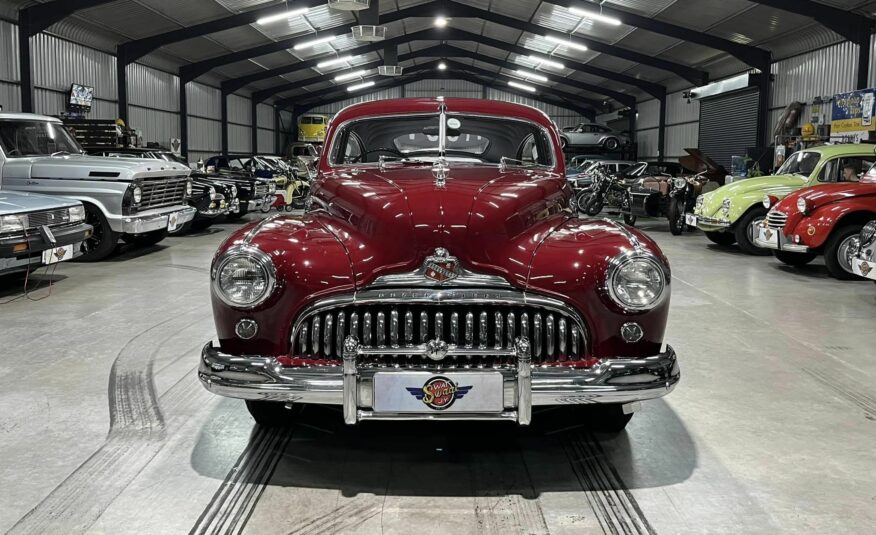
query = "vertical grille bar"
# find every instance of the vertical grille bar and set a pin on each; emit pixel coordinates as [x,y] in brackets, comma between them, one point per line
[409,328]
[381,329]
[454,328]
[302,339]
[562,335]
[482,331]
[424,327]
[327,336]
[549,333]
[524,325]
[499,326]
[512,320]
[439,325]
[575,340]
[393,328]
[366,329]
[354,325]
[340,334]
[469,329]
[315,337]
[536,334]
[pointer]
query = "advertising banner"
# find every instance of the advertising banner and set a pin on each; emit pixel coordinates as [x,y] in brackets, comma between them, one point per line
[852,116]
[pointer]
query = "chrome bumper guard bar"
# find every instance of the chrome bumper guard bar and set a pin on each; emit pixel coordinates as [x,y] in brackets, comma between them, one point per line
[782,243]
[611,380]
[157,219]
[712,221]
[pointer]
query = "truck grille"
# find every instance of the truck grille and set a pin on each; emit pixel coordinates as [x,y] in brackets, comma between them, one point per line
[50,218]
[776,220]
[554,337]
[163,191]
[260,190]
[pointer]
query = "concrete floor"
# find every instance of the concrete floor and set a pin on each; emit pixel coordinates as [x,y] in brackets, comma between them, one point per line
[105,429]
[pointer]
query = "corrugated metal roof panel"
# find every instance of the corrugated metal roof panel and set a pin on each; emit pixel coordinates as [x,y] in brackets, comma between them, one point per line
[188,12]
[706,14]
[647,42]
[690,54]
[129,18]
[759,24]
[240,37]
[645,7]
[196,49]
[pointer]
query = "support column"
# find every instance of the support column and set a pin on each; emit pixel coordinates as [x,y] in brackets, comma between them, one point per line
[122,82]
[223,125]
[183,119]
[864,52]
[25,74]
[661,130]
[255,126]
[277,134]
[763,108]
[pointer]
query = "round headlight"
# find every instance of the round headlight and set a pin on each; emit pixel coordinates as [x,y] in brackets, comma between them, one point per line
[868,232]
[244,278]
[137,195]
[698,205]
[680,183]
[212,191]
[725,207]
[189,188]
[767,202]
[233,191]
[801,205]
[637,282]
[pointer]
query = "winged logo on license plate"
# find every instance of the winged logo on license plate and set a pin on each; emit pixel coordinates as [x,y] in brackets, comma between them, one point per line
[439,392]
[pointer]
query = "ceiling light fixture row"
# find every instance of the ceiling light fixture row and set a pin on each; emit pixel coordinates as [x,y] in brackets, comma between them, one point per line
[568,43]
[357,87]
[334,61]
[546,62]
[529,75]
[282,16]
[350,75]
[524,87]
[598,17]
[315,42]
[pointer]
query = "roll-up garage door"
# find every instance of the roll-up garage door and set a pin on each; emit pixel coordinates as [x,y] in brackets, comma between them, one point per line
[728,125]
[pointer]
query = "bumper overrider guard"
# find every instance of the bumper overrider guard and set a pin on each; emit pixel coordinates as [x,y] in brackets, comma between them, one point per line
[610,380]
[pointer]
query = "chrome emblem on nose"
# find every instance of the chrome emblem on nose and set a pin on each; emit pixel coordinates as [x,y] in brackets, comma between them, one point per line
[441,266]
[436,349]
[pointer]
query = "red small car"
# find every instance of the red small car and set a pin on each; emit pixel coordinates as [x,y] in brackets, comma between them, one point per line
[438,273]
[824,219]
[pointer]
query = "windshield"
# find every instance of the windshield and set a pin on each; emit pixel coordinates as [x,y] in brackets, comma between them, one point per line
[35,138]
[417,138]
[800,163]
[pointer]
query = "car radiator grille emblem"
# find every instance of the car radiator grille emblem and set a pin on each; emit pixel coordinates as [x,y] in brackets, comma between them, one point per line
[441,266]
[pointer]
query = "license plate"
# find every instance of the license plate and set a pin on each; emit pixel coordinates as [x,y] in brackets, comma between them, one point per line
[173,221]
[57,254]
[690,219]
[768,236]
[425,392]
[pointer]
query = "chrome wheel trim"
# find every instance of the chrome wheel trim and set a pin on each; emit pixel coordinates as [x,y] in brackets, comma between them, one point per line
[844,252]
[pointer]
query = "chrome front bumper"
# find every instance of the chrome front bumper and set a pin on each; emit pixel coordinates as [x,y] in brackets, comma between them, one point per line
[612,380]
[255,204]
[158,219]
[864,268]
[770,238]
[711,223]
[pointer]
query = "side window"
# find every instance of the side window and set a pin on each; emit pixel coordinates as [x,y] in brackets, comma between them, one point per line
[348,149]
[851,169]
[828,171]
[600,129]
[317,120]
[235,164]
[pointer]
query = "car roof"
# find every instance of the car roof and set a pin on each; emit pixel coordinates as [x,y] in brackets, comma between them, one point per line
[844,149]
[28,117]
[398,106]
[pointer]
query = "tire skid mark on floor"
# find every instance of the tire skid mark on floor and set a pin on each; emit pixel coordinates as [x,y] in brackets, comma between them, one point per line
[234,502]
[615,508]
[350,515]
[137,432]
[846,389]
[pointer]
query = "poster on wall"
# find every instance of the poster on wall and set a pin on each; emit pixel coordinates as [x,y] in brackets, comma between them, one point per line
[852,116]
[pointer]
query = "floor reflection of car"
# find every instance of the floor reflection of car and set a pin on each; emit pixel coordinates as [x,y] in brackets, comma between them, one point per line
[592,135]
[393,299]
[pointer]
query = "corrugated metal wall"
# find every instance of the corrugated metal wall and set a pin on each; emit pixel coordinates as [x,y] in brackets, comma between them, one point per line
[447,88]
[335,107]
[562,116]
[153,94]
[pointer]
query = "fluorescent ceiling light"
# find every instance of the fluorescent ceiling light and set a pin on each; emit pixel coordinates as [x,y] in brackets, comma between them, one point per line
[442,66]
[522,86]
[282,16]
[350,75]
[547,62]
[309,44]
[595,16]
[440,22]
[531,75]
[357,87]
[335,61]
[565,42]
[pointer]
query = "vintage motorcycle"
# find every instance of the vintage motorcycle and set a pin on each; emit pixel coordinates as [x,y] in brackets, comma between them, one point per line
[605,191]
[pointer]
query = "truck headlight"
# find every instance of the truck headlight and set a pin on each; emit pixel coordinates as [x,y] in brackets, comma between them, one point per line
[188,188]
[77,213]
[13,223]
[868,232]
[802,205]
[636,282]
[137,194]
[244,277]
[725,207]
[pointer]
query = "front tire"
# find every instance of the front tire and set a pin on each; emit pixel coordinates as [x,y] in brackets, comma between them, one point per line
[103,239]
[794,259]
[743,233]
[721,238]
[611,144]
[589,203]
[836,252]
[272,413]
[675,214]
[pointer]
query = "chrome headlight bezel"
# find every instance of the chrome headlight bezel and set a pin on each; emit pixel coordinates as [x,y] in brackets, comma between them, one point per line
[767,202]
[189,188]
[13,223]
[624,260]
[259,257]
[868,233]
[680,182]
[76,213]
[137,194]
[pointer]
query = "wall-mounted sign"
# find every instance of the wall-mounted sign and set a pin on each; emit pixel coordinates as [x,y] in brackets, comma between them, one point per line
[852,116]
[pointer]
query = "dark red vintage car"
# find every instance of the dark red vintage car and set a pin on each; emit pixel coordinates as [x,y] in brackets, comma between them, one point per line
[438,273]
[823,219]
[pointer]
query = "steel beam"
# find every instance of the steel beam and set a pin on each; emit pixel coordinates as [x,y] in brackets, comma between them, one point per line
[31,21]
[183,120]
[223,121]
[255,127]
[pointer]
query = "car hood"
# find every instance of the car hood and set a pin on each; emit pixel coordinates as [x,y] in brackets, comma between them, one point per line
[15,202]
[776,186]
[392,219]
[697,161]
[91,168]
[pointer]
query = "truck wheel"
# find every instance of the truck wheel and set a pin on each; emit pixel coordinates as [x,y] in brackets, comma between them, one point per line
[675,214]
[149,239]
[272,413]
[836,252]
[103,239]
[794,259]
[721,238]
[609,418]
[743,232]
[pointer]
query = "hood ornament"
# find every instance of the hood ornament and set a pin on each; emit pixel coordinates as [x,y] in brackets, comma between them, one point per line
[439,171]
[441,267]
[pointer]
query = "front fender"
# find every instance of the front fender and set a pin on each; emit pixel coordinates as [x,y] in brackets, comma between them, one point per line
[815,229]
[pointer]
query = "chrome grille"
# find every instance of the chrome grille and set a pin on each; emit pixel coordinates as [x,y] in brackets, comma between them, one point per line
[51,218]
[554,336]
[776,220]
[260,190]
[163,191]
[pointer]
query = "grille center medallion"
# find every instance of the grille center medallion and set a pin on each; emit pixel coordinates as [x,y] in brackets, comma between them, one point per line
[441,266]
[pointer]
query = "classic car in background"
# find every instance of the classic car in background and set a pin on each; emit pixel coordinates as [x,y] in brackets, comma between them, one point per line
[137,201]
[663,190]
[825,219]
[311,127]
[726,214]
[255,193]
[211,196]
[39,230]
[439,275]
[863,252]
[304,156]
[592,135]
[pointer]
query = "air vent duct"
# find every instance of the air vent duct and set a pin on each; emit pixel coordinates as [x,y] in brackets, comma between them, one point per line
[390,70]
[369,33]
[348,5]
